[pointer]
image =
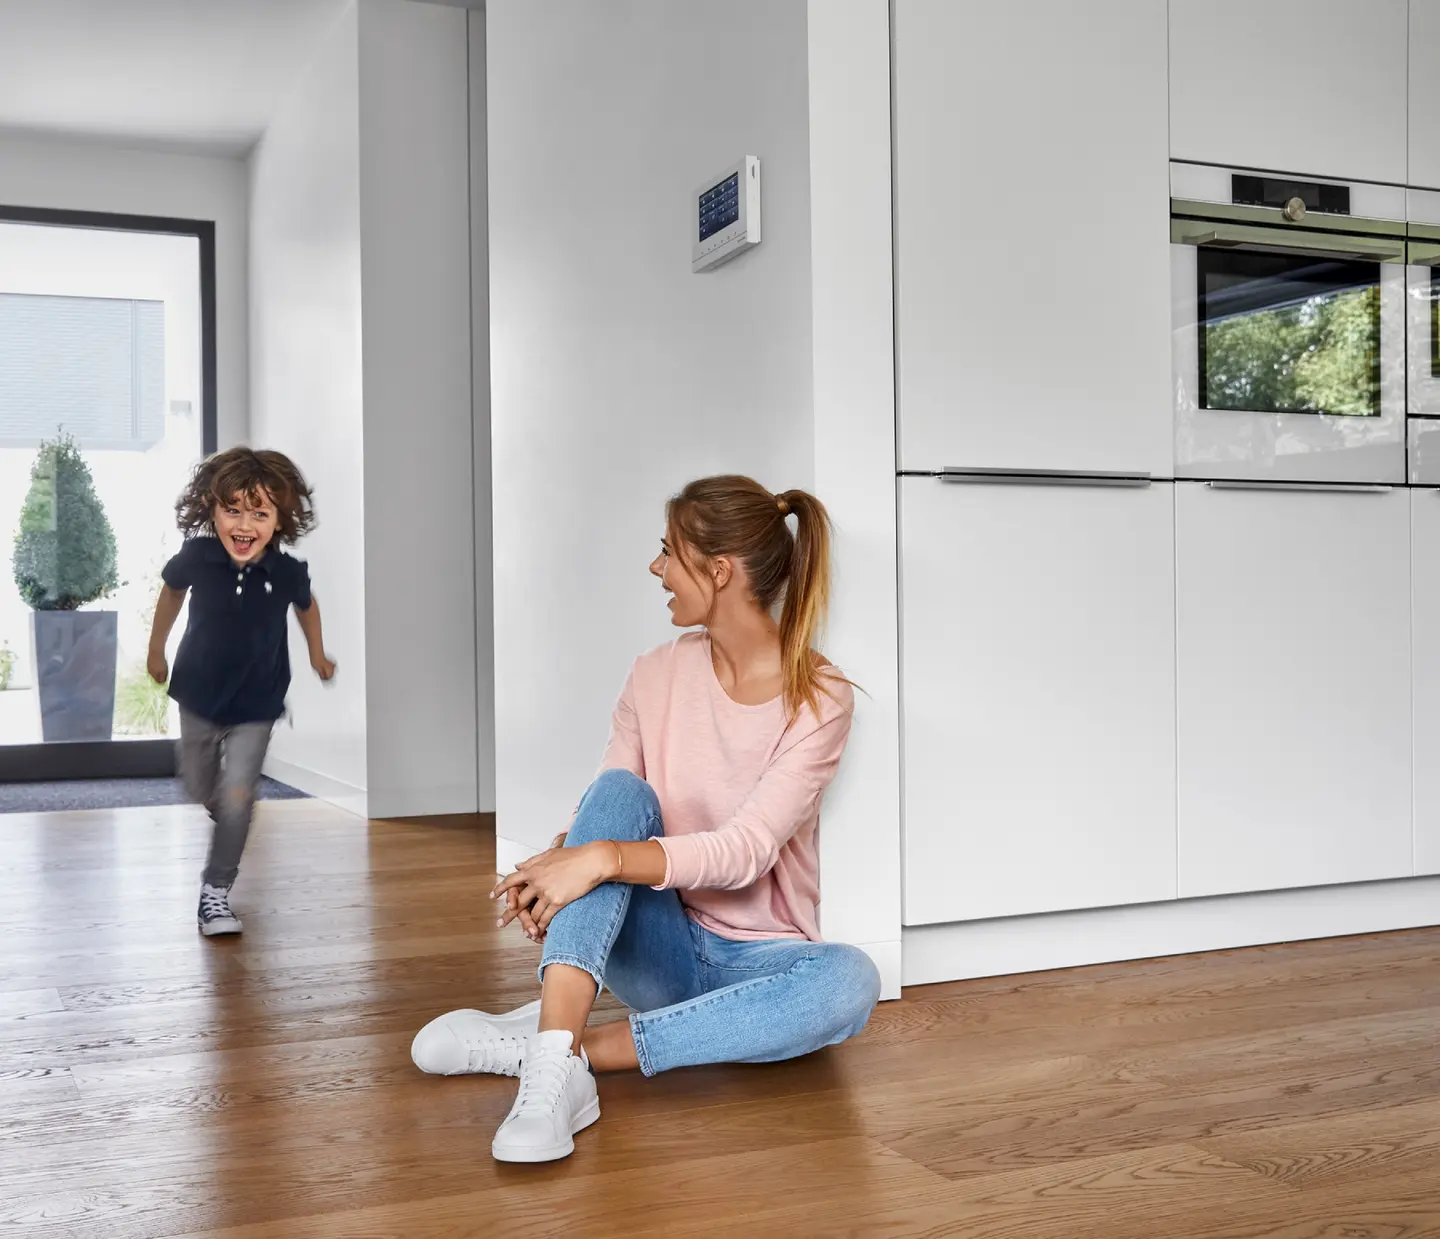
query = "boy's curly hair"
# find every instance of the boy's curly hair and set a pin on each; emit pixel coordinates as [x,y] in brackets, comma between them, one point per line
[242,471]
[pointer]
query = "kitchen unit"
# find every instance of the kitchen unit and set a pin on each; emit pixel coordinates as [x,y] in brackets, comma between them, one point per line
[1425,624]
[1288,316]
[1191,680]
[1292,686]
[1031,256]
[1040,710]
[1314,87]
[1036,548]
[1424,113]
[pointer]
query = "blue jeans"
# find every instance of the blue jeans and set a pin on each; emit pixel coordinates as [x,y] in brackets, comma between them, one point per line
[698,997]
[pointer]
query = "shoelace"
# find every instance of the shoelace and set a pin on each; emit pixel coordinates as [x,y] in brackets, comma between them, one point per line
[215,905]
[497,1055]
[542,1082]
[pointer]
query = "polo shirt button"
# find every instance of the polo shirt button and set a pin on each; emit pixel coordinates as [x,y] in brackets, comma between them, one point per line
[239,589]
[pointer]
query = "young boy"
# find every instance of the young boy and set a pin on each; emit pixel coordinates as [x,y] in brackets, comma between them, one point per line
[233,667]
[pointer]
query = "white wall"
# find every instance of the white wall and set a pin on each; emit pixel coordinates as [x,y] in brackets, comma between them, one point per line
[616,374]
[307,391]
[362,183]
[84,176]
[854,376]
[480,418]
[419,516]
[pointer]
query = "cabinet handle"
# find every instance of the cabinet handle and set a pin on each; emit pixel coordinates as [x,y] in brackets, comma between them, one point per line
[1355,488]
[1042,477]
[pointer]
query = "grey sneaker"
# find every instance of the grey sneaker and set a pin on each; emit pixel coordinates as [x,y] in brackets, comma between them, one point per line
[215,916]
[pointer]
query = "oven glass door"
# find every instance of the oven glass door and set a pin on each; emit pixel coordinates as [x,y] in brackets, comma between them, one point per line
[1286,333]
[1422,280]
[1289,359]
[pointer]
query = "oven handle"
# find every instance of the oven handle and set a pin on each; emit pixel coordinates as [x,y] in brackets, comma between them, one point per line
[1209,232]
[1356,488]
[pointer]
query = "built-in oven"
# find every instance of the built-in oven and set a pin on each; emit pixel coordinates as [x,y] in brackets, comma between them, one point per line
[1422,319]
[1288,309]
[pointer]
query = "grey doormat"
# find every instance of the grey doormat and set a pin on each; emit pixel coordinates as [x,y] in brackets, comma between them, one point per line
[111,794]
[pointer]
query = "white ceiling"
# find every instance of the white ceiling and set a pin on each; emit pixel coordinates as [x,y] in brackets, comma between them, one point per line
[196,75]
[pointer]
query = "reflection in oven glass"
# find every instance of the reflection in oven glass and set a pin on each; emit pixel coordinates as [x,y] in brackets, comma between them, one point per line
[1435,322]
[1289,333]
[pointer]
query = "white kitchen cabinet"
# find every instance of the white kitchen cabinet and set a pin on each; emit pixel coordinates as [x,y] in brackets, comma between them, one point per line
[1032,235]
[1038,701]
[1310,87]
[1293,686]
[1424,93]
[1425,624]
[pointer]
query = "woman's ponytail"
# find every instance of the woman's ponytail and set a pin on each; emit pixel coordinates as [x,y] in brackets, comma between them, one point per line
[807,598]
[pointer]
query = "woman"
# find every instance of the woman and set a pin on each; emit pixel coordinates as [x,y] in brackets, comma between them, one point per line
[688,879]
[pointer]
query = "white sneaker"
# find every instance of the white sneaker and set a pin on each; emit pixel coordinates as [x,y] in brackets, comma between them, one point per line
[215,916]
[473,1042]
[557,1099]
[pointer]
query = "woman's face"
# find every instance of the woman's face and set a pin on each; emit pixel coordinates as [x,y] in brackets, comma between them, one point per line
[691,593]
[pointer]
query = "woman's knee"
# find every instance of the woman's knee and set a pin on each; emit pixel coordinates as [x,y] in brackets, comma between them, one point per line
[617,805]
[852,988]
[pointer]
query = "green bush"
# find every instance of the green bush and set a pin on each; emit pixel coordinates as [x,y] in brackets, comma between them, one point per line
[65,552]
[7,665]
[142,707]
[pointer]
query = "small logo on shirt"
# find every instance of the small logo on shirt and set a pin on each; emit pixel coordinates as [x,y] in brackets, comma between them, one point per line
[268,588]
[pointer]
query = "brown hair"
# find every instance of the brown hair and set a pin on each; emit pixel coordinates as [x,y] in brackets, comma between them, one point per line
[226,476]
[736,516]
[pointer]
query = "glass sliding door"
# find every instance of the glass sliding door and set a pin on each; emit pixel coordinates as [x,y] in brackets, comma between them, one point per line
[106,403]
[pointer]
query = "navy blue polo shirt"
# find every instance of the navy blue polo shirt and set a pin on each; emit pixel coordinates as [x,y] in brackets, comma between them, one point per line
[234,661]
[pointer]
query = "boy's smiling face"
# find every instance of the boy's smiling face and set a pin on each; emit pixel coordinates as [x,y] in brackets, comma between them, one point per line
[245,526]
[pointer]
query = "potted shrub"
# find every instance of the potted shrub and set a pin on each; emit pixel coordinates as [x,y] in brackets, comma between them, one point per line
[64,559]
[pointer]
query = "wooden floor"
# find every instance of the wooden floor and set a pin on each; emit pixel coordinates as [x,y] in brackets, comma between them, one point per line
[155,1084]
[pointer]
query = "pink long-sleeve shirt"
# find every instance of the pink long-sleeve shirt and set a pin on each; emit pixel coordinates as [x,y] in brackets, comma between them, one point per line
[739,791]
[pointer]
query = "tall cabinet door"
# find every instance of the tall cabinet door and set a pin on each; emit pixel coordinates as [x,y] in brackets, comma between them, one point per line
[1309,87]
[1032,235]
[1424,94]
[1293,684]
[1425,624]
[1038,698]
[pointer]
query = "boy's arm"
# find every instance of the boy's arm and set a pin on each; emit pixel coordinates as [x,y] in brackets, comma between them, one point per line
[167,611]
[310,625]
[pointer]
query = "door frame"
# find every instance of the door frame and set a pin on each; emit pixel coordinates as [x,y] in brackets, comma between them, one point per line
[111,759]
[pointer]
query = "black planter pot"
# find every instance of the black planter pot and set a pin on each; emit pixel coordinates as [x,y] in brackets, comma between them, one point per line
[75,673]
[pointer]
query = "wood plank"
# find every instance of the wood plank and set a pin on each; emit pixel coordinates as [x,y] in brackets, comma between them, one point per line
[155,1084]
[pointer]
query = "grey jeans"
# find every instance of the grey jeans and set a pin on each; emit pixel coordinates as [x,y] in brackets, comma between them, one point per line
[221,768]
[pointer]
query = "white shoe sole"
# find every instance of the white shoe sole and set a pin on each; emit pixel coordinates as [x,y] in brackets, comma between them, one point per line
[554,1152]
[217,929]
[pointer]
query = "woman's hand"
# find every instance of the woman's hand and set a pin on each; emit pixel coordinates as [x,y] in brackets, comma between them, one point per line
[323,665]
[546,883]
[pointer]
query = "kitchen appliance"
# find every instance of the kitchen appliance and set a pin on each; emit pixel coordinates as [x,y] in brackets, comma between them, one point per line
[1288,317]
[1422,314]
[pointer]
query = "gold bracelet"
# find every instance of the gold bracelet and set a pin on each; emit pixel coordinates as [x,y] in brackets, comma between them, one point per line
[619,861]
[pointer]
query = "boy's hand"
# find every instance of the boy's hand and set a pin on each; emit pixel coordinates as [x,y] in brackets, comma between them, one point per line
[158,668]
[324,666]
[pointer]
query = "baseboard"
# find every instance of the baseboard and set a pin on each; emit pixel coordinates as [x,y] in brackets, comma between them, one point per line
[1009,945]
[437,801]
[321,786]
[887,957]
[510,852]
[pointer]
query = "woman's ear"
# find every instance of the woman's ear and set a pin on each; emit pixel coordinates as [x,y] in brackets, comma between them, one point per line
[722,571]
